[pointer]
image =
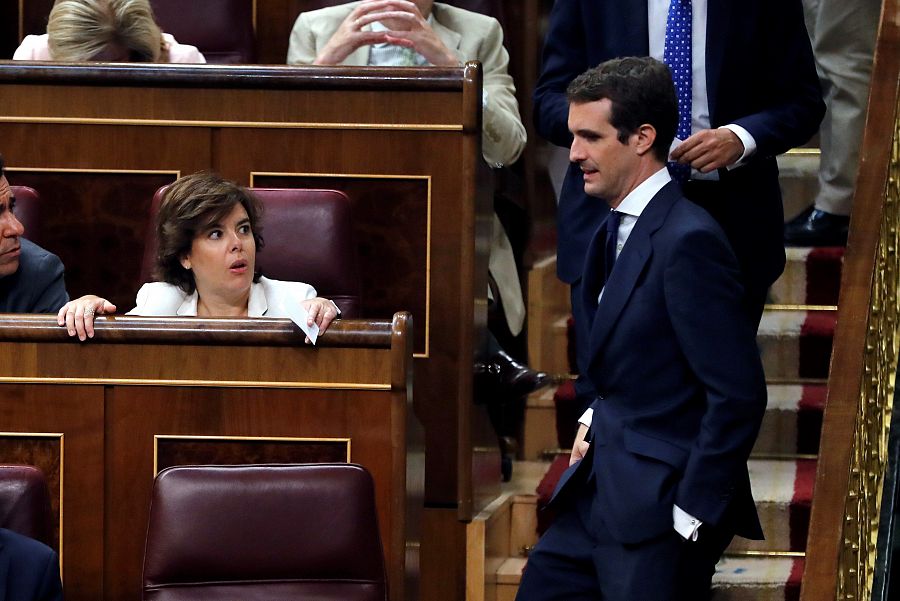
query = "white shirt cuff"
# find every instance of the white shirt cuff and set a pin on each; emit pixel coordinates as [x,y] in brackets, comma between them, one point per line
[685,524]
[746,139]
[586,417]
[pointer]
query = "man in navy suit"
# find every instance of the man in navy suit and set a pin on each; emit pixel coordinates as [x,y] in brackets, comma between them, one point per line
[755,94]
[658,483]
[29,570]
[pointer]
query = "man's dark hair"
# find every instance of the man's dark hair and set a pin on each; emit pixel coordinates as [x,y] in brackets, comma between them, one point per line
[640,90]
[190,205]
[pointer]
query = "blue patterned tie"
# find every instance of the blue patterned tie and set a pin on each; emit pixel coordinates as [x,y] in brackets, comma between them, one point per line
[612,240]
[677,56]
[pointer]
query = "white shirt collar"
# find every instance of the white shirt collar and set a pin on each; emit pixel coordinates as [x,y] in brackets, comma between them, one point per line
[638,199]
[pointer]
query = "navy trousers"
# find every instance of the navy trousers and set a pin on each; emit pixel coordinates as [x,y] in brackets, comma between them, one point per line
[578,560]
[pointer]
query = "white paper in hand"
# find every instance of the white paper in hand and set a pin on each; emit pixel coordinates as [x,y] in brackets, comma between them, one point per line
[299,315]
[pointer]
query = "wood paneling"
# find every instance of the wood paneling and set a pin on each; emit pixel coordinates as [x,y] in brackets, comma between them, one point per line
[110,435]
[87,218]
[77,413]
[391,222]
[420,126]
[415,125]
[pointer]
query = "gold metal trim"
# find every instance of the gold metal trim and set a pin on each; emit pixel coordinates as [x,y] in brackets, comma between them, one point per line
[213,383]
[233,124]
[21,20]
[254,15]
[832,308]
[62,476]
[782,456]
[175,172]
[796,381]
[427,352]
[751,553]
[804,151]
[158,437]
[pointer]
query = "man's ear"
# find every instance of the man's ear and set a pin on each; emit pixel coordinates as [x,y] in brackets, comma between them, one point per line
[646,136]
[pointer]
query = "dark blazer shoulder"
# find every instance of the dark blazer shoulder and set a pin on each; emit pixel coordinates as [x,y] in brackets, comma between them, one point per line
[32,568]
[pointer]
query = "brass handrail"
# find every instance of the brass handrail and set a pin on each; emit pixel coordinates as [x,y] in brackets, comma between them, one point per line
[841,549]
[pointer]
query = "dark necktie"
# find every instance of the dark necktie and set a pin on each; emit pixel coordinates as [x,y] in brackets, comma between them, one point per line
[677,55]
[612,240]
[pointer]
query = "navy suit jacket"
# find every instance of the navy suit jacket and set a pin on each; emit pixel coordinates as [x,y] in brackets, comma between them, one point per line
[29,570]
[38,286]
[760,75]
[680,381]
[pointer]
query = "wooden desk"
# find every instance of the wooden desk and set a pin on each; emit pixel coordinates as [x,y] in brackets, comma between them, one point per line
[102,417]
[97,141]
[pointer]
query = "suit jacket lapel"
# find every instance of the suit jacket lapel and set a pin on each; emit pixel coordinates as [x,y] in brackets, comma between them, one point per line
[618,28]
[629,265]
[718,18]
[594,270]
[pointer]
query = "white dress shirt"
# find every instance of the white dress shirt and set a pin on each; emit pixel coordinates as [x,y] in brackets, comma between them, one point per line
[630,209]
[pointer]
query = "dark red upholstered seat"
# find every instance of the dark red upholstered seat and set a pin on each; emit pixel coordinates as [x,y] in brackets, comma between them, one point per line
[221,29]
[264,532]
[28,210]
[308,238]
[25,502]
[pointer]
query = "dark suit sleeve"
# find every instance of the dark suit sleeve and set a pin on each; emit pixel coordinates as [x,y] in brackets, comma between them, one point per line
[788,86]
[50,289]
[703,295]
[51,587]
[564,58]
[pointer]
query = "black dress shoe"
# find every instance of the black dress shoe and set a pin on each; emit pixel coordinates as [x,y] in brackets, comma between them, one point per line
[516,379]
[814,227]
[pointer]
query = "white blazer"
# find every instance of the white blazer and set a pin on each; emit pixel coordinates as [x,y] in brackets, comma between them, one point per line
[268,298]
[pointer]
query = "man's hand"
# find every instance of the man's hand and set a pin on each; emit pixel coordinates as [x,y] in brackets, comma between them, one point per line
[350,36]
[710,149]
[580,447]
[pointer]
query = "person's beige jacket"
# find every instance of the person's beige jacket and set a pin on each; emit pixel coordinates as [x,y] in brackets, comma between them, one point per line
[471,35]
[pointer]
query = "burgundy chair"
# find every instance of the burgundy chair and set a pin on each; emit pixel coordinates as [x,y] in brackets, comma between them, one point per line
[25,502]
[308,238]
[221,29]
[27,210]
[264,532]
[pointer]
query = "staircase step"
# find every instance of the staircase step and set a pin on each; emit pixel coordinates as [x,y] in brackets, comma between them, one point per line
[503,583]
[796,343]
[736,579]
[539,429]
[812,276]
[793,419]
[798,172]
[758,579]
[783,490]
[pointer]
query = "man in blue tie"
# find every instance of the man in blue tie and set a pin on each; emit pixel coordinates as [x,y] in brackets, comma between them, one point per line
[748,93]
[657,484]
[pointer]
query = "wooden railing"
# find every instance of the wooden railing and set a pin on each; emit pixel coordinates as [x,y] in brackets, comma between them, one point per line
[841,551]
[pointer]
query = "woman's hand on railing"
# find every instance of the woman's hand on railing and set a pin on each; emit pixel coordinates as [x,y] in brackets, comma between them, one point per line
[320,311]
